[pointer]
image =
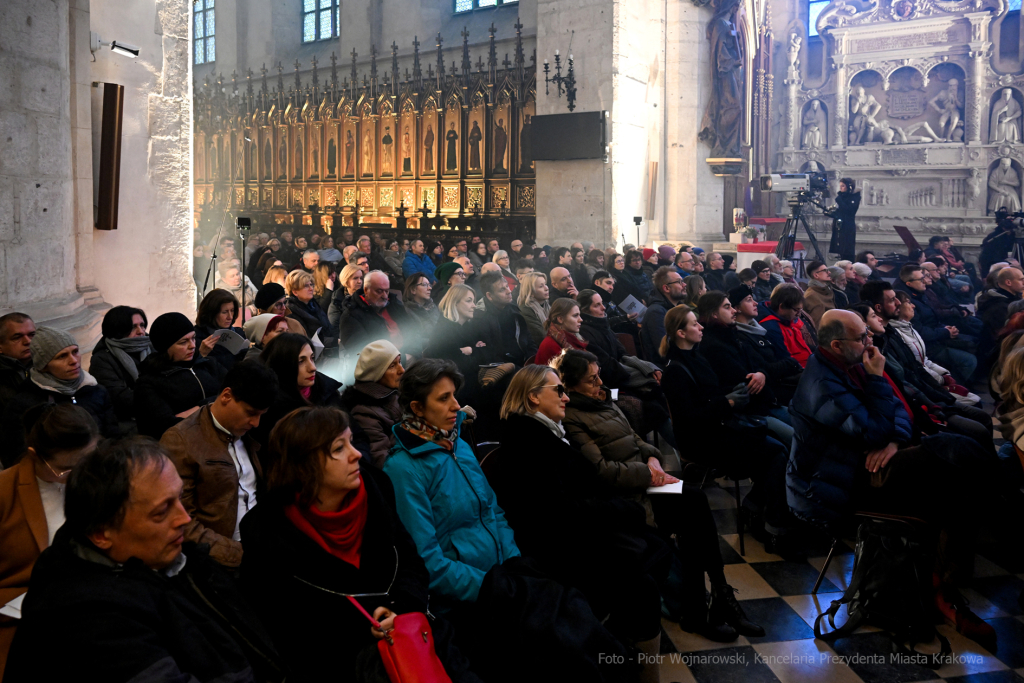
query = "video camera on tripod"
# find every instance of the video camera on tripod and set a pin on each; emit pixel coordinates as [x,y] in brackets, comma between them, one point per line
[800,189]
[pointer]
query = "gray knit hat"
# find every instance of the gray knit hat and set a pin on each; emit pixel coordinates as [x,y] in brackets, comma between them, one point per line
[47,343]
[374,360]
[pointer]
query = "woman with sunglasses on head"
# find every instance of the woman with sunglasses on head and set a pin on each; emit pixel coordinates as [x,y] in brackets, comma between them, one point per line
[327,529]
[32,497]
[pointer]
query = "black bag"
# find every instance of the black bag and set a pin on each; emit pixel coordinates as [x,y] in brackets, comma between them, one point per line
[891,589]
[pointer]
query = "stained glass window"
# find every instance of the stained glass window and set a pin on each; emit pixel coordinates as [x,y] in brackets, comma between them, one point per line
[204,27]
[1014,6]
[468,5]
[813,10]
[321,20]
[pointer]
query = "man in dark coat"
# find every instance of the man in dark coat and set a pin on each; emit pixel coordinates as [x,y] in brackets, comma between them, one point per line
[714,276]
[501,326]
[116,591]
[372,313]
[780,367]
[562,285]
[994,304]
[854,449]
[16,333]
[669,292]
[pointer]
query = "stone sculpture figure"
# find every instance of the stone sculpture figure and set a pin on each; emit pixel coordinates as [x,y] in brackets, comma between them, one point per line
[722,124]
[406,151]
[526,145]
[388,144]
[350,150]
[974,186]
[814,126]
[500,143]
[793,53]
[268,160]
[1004,124]
[475,136]
[367,154]
[428,149]
[332,156]
[947,103]
[451,156]
[863,106]
[1004,187]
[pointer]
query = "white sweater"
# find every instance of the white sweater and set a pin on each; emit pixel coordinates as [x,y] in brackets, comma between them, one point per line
[916,344]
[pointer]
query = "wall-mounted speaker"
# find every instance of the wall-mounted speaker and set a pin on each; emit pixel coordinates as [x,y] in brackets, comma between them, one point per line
[562,137]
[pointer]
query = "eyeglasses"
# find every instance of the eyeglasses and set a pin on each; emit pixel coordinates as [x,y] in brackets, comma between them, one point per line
[915,279]
[863,339]
[594,381]
[560,388]
[675,282]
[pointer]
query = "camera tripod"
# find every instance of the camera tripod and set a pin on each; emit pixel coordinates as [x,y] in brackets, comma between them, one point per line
[784,250]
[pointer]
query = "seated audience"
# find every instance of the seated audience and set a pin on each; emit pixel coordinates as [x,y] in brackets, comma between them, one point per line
[447,275]
[1010,413]
[304,307]
[765,283]
[175,381]
[669,291]
[275,275]
[218,462]
[122,594]
[580,536]
[628,466]
[324,281]
[562,330]
[994,303]
[837,281]
[260,330]
[328,253]
[56,377]
[534,304]
[218,311]
[631,280]
[117,355]
[374,313]
[501,259]
[299,383]
[309,260]
[562,285]
[501,325]
[714,274]
[783,325]
[942,338]
[695,289]
[418,301]
[350,281]
[703,417]
[595,263]
[684,265]
[849,419]
[32,498]
[868,259]
[454,338]
[782,370]
[820,296]
[272,299]
[16,333]
[372,402]
[461,533]
[417,261]
[788,272]
[326,527]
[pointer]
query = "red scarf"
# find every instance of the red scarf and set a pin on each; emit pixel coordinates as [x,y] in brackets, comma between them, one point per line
[858,374]
[339,533]
[567,340]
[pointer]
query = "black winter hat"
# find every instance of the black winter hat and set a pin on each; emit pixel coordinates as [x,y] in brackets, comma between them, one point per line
[167,329]
[738,294]
[270,293]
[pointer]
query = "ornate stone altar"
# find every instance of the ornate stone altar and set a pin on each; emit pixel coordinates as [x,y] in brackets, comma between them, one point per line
[913,110]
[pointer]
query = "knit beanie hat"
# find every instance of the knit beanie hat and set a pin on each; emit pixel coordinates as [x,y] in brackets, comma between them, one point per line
[445,271]
[257,327]
[167,329]
[47,343]
[374,360]
[266,297]
[738,294]
[666,252]
[758,266]
[648,253]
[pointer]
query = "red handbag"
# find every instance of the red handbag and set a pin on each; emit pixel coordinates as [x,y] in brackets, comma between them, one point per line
[407,650]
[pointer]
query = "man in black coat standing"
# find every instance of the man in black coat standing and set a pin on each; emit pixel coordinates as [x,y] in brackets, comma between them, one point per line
[116,591]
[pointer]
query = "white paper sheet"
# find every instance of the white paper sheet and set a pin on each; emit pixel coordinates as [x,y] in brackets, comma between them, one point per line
[631,305]
[13,608]
[667,488]
[231,340]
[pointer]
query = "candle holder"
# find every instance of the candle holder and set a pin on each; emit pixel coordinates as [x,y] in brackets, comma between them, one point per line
[565,84]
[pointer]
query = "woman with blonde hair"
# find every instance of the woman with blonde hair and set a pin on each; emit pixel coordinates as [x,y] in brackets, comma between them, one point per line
[349,282]
[303,306]
[325,277]
[563,331]
[584,538]
[534,305]
[454,336]
[276,274]
[695,289]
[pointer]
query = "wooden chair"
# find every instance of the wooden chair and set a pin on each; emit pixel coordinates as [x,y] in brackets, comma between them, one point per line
[627,343]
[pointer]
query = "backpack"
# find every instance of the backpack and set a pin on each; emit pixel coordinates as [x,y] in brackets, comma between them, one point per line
[891,589]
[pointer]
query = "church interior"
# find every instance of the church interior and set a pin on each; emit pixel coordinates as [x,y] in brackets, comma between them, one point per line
[134,134]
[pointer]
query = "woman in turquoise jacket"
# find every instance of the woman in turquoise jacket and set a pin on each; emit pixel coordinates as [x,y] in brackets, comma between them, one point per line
[444,499]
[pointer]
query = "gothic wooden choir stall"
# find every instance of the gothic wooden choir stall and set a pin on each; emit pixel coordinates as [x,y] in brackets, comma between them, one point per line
[448,148]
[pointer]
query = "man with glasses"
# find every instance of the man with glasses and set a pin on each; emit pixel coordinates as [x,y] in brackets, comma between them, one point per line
[684,263]
[819,297]
[855,449]
[669,292]
[374,313]
[714,276]
[764,284]
[944,342]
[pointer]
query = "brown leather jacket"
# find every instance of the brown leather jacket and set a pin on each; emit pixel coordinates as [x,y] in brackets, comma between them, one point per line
[200,453]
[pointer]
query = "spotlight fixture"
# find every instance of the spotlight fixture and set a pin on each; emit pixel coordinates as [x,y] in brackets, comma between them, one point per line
[121,48]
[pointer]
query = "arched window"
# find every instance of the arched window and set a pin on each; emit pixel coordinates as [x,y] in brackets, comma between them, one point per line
[814,8]
[470,5]
[204,43]
[321,20]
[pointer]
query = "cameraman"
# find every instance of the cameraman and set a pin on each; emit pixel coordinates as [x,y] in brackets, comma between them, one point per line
[997,244]
[844,229]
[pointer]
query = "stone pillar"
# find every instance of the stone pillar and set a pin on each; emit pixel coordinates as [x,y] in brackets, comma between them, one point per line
[793,114]
[974,104]
[842,108]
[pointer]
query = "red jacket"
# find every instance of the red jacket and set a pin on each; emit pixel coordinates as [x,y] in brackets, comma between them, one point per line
[792,337]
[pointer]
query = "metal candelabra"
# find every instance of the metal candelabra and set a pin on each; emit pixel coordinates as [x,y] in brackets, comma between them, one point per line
[566,84]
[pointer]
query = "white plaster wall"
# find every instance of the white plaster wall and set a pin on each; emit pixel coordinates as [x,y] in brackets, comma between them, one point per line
[693,194]
[37,240]
[147,261]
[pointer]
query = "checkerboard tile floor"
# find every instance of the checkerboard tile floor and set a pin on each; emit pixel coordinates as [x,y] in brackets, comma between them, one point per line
[777,594]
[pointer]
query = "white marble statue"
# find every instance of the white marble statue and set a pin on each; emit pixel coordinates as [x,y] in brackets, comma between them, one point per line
[1004,125]
[947,103]
[1004,187]
[862,107]
[814,126]
[793,52]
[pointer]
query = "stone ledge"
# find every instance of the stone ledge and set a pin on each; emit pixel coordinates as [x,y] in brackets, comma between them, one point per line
[79,314]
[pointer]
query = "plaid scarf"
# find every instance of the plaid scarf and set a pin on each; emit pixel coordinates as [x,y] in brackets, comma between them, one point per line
[428,432]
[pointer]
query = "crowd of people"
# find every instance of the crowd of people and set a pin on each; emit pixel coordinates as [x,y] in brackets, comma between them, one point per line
[185,510]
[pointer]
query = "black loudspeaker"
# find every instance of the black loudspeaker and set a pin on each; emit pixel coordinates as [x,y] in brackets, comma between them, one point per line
[110,157]
[561,137]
